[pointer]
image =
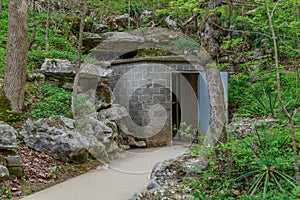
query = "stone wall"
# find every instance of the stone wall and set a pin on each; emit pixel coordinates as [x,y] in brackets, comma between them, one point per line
[143,86]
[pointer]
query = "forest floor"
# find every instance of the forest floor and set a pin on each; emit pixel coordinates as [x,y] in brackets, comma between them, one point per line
[41,171]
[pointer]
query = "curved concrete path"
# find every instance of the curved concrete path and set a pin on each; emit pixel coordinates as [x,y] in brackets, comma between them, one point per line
[123,177]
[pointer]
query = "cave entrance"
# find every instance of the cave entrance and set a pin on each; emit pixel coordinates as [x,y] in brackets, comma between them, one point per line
[184,102]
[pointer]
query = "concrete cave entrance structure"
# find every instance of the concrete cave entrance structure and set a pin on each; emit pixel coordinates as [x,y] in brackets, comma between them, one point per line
[174,83]
[159,92]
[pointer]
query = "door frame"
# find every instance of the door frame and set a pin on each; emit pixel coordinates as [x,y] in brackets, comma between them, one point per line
[179,137]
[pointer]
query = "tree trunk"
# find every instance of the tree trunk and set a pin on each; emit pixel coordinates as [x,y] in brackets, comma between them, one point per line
[47,26]
[16,54]
[80,37]
[34,27]
[211,38]
[75,84]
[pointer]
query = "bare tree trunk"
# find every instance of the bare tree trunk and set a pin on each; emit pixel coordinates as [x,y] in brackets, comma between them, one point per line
[129,13]
[289,117]
[16,54]
[211,39]
[47,26]
[79,52]
[34,27]
[80,37]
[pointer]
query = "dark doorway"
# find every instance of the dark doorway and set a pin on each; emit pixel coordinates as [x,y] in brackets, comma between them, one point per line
[184,101]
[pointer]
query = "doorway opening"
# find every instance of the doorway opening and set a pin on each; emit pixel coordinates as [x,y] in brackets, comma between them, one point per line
[184,102]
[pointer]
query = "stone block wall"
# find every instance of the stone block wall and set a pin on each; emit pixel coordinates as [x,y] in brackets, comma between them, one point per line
[143,86]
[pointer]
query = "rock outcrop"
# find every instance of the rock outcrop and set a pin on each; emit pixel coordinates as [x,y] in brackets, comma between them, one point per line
[8,136]
[11,164]
[4,173]
[146,17]
[58,137]
[167,176]
[58,67]
[114,113]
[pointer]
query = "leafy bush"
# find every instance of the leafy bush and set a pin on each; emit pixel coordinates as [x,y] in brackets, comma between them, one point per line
[262,101]
[259,98]
[51,101]
[259,165]
[264,162]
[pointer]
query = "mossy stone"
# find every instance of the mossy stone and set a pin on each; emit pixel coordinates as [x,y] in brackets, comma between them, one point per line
[16,172]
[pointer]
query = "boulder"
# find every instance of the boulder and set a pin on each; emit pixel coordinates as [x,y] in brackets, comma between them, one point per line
[94,70]
[91,94]
[167,178]
[35,77]
[122,21]
[243,126]
[8,136]
[4,173]
[171,24]
[104,96]
[90,41]
[14,161]
[122,37]
[91,127]
[146,17]
[116,44]
[136,144]
[58,137]
[58,68]
[114,113]
[176,170]
[100,28]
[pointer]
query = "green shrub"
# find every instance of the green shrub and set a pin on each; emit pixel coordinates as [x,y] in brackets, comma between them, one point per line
[258,96]
[259,165]
[51,101]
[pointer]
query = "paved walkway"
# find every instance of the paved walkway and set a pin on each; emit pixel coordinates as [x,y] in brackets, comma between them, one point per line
[125,176]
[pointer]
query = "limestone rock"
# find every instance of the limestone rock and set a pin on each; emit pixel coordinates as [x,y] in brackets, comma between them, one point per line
[170,23]
[120,22]
[8,136]
[57,137]
[16,172]
[91,127]
[114,113]
[94,70]
[138,144]
[100,28]
[122,37]
[176,169]
[35,77]
[4,173]
[58,67]
[14,161]
[167,176]
[90,41]
[146,17]
[104,96]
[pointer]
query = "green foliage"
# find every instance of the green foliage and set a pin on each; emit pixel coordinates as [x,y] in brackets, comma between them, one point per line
[51,101]
[6,114]
[265,161]
[5,192]
[59,34]
[260,166]
[259,98]
[263,101]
